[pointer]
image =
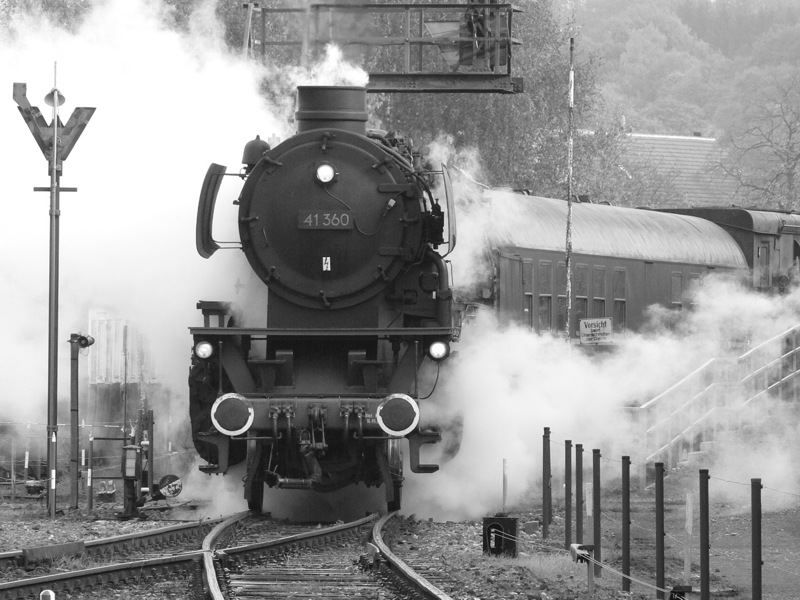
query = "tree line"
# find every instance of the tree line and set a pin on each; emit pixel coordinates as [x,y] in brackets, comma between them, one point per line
[723,68]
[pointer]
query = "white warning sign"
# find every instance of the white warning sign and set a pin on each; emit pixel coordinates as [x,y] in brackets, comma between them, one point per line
[597,331]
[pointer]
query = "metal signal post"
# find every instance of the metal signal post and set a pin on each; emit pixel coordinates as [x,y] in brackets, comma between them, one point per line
[56,142]
[76,342]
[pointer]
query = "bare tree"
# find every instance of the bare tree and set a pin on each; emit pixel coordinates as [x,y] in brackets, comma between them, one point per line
[763,139]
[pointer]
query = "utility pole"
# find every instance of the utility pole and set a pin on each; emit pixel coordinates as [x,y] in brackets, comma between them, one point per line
[568,258]
[56,141]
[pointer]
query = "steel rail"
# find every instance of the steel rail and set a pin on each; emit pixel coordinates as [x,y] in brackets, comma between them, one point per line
[83,578]
[421,584]
[210,579]
[141,539]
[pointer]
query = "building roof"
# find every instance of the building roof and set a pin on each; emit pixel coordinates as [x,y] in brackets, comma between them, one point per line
[690,163]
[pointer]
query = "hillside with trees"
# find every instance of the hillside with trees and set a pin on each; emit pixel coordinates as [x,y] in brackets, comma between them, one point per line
[728,69]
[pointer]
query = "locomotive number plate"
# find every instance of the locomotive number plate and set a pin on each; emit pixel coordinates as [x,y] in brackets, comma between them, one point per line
[317,219]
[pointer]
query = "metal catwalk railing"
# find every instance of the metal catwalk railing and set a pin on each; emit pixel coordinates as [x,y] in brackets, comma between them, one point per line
[722,394]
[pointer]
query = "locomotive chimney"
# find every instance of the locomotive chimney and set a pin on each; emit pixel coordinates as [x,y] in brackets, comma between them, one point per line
[331,107]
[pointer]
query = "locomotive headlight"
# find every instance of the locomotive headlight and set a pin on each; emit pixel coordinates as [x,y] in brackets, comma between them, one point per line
[325,173]
[439,350]
[203,349]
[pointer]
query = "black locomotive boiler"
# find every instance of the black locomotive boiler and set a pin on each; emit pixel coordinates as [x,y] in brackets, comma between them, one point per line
[341,225]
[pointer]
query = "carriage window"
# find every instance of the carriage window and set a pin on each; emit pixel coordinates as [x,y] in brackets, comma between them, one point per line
[529,310]
[676,290]
[599,282]
[545,312]
[690,293]
[527,276]
[599,307]
[618,285]
[599,292]
[619,315]
[581,308]
[545,282]
[582,280]
[763,264]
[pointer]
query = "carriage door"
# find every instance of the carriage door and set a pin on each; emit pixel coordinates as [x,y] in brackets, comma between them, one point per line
[762,270]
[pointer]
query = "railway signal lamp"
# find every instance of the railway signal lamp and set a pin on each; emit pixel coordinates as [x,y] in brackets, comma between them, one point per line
[84,341]
[77,341]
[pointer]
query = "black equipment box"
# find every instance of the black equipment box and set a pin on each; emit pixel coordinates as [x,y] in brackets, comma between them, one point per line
[500,536]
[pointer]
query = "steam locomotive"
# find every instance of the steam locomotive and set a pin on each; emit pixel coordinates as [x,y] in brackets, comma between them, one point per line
[341,225]
[627,259]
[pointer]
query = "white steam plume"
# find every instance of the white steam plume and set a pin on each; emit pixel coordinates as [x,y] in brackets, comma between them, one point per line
[508,383]
[168,104]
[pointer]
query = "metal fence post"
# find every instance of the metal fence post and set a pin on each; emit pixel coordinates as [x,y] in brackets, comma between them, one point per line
[705,575]
[660,529]
[626,523]
[567,493]
[757,563]
[13,469]
[598,572]
[547,497]
[579,493]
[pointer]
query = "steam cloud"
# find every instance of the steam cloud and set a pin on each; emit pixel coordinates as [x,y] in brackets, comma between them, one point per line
[509,383]
[168,103]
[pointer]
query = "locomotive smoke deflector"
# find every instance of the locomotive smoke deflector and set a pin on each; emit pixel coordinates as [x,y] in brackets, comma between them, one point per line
[206,246]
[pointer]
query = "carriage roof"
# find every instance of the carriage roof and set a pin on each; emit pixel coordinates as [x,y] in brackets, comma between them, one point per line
[602,230]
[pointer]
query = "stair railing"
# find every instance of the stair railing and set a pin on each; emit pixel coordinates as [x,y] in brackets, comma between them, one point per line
[722,393]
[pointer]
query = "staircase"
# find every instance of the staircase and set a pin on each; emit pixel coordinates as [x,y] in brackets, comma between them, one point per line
[723,394]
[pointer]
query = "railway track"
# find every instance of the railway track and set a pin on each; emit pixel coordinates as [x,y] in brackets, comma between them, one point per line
[156,553]
[337,561]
